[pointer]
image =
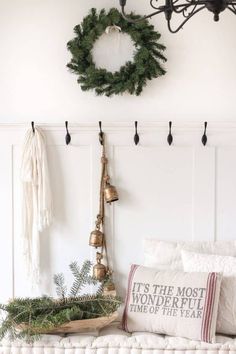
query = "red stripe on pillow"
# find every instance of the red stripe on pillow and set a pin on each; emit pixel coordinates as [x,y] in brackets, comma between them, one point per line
[212,306]
[207,323]
[130,280]
[205,308]
[133,270]
[208,307]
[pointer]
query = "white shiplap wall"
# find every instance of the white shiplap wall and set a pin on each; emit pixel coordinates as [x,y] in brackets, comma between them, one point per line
[182,192]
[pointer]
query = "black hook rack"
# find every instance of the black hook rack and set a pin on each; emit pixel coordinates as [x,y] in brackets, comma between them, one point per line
[32,125]
[170,136]
[204,137]
[136,136]
[68,136]
[101,134]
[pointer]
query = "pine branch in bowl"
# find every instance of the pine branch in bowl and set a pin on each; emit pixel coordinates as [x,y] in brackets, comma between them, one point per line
[29,318]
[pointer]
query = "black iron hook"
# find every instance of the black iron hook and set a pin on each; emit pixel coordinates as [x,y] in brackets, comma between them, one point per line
[204,137]
[136,136]
[68,137]
[101,134]
[170,136]
[32,125]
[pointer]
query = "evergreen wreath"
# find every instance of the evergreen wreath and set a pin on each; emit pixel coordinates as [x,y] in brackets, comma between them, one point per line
[27,318]
[132,76]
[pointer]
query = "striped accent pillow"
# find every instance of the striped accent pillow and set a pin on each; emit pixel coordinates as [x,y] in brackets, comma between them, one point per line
[172,302]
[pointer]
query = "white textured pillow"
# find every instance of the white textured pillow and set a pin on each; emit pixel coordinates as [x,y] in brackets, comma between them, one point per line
[167,255]
[174,303]
[198,262]
[195,262]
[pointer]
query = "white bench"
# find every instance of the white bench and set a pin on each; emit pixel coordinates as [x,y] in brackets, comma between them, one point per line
[112,340]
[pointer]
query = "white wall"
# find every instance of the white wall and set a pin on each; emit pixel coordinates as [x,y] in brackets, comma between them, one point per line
[183,192]
[35,83]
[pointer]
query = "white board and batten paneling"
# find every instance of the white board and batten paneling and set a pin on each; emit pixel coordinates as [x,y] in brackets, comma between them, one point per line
[182,192]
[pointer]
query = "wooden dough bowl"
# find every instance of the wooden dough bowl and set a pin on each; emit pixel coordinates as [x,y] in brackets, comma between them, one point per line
[80,326]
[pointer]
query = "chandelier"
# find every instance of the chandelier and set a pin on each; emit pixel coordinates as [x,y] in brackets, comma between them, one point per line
[187,9]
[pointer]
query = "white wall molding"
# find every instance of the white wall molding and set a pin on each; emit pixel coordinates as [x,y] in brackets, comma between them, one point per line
[117,126]
[182,192]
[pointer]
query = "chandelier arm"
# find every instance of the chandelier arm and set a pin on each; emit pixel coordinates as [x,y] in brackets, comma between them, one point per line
[186,15]
[181,5]
[161,9]
[179,9]
[183,8]
[190,3]
[193,10]
[186,20]
[232,10]
[153,6]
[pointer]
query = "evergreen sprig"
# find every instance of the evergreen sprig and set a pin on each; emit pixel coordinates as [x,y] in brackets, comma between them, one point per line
[133,76]
[59,281]
[82,277]
[27,318]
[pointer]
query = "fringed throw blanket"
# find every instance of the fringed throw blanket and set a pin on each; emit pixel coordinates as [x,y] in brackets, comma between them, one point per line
[37,200]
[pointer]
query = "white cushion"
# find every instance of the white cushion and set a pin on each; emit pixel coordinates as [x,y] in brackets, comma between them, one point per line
[172,302]
[167,255]
[196,262]
[110,340]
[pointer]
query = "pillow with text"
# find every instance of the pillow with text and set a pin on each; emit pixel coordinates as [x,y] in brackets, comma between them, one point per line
[172,302]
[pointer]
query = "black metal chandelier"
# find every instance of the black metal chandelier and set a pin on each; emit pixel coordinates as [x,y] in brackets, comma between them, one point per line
[187,9]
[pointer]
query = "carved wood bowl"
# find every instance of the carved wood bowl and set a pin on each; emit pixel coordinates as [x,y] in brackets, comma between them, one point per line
[81,326]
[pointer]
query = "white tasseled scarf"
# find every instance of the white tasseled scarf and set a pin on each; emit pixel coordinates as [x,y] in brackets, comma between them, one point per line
[37,199]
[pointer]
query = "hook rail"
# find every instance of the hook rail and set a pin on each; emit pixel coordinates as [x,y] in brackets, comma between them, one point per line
[157,127]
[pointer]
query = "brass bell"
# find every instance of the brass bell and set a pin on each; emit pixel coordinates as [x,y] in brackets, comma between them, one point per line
[99,270]
[96,238]
[109,289]
[110,193]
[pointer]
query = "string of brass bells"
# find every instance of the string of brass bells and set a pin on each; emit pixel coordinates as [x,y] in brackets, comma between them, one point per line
[108,194]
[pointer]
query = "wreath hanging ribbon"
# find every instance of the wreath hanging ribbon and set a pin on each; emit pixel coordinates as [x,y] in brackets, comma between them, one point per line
[112,28]
[133,76]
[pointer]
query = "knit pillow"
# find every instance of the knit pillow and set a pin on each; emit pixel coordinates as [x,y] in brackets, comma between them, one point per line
[194,262]
[167,255]
[172,302]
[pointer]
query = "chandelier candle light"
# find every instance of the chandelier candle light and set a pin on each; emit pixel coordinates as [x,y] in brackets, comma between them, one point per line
[108,194]
[187,8]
